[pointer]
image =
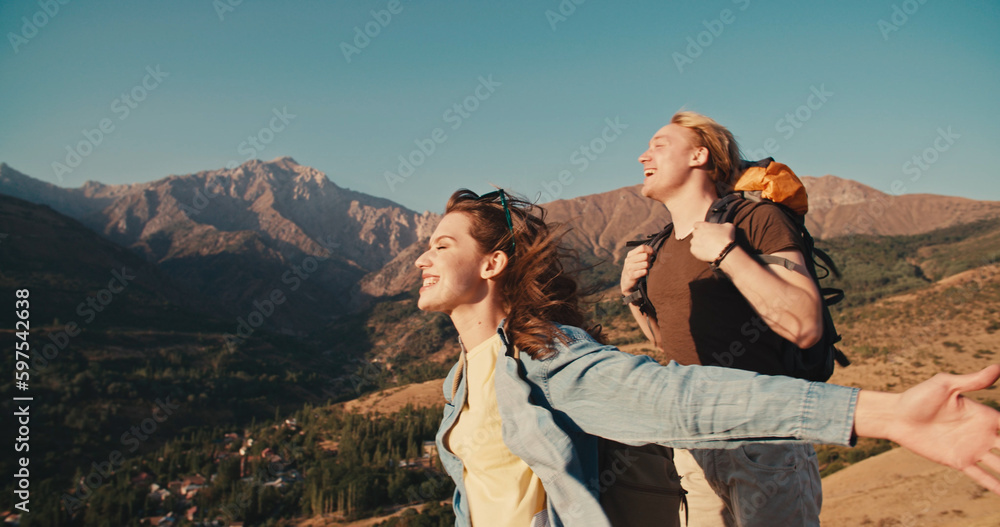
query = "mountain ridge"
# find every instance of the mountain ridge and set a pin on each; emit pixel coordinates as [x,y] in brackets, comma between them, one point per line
[237,234]
[276,214]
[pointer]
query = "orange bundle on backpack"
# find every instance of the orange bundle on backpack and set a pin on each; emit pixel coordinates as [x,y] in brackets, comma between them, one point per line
[775,182]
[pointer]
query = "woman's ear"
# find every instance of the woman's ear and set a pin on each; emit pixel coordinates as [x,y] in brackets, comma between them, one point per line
[493,265]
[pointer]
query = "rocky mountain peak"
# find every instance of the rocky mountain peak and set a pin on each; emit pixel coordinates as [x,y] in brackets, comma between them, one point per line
[829,191]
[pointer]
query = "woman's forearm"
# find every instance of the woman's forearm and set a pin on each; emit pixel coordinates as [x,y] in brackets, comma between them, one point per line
[874,416]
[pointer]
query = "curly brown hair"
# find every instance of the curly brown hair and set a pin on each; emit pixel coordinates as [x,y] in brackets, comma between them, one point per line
[536,288]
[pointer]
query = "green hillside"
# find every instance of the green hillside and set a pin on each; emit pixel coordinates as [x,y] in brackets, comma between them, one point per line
[109,379]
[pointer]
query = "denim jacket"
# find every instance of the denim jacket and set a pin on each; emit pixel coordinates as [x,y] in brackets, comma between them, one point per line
[554,409]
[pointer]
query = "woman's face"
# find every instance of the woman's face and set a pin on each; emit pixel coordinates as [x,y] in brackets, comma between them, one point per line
[452,267]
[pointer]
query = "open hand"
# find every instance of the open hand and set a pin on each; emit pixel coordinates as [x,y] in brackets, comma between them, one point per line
[937,422]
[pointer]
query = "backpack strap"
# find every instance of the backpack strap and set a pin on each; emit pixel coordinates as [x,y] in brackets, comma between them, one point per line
[639,296]
[724,211]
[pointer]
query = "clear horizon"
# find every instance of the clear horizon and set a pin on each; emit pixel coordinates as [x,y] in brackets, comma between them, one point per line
[554,100]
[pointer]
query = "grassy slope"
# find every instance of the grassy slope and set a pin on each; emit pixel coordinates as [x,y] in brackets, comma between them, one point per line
[109,384]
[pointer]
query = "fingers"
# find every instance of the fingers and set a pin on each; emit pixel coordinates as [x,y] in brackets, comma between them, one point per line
[638,273]
[638,256]
[992,462]
[983,478]
[974,381]
[640,250]
[636,266]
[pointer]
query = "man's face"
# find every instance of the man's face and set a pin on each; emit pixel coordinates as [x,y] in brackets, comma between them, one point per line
[451,267]
[668,161]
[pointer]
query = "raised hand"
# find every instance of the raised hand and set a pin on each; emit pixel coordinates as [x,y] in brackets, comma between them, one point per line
[637,263]
[709,239]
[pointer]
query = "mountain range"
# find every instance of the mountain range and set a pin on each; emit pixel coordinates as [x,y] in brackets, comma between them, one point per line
[238,236]
[216,254]
[228,240]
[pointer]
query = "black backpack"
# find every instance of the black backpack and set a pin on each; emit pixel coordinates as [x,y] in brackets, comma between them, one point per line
[639,485]
[813,364]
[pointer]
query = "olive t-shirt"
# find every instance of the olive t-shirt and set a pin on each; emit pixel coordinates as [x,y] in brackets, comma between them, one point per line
[703,318]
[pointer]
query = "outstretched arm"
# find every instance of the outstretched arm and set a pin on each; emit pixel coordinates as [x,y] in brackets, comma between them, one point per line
[710,407]
[934,420]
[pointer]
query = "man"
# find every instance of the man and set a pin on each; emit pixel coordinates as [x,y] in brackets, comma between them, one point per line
[532,391]
[737,319]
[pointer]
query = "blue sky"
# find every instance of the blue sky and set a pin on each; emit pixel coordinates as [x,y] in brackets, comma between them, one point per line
[551,75]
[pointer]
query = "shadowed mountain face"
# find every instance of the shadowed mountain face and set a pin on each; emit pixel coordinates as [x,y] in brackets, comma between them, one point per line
[280,228]
[600,224]
[73,275]
[240,236]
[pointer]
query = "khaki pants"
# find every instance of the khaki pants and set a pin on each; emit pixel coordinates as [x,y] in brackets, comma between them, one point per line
[705,507]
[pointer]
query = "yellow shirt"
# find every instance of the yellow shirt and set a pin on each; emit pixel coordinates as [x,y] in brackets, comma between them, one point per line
[501,488]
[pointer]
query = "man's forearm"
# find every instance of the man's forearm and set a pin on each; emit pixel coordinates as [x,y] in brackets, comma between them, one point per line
[649,326]
[789,310]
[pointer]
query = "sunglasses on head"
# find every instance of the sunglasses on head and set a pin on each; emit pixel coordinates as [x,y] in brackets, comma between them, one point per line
[490,196]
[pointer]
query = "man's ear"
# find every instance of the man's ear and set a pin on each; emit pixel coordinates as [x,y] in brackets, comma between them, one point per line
[493,265]
[699,156]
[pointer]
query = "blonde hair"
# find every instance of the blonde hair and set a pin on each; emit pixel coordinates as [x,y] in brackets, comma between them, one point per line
[723,151]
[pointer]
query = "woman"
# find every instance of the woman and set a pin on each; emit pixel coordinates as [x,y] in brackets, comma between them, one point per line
[531,391]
